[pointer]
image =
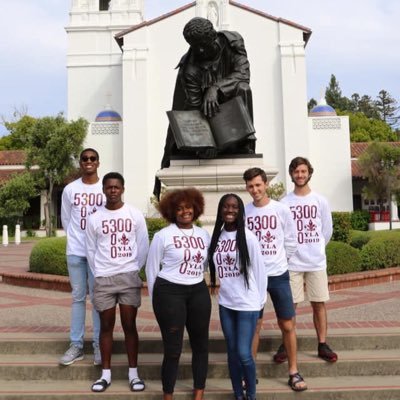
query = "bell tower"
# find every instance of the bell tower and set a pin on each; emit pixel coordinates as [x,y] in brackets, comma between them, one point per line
[94,60]
[94,70]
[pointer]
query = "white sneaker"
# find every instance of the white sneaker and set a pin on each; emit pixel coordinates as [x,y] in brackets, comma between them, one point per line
[74,353]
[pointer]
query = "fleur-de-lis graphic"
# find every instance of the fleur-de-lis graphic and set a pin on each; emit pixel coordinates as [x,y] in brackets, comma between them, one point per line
[311,226]
[268,238]
[123,240]
[228,260]
[198,258]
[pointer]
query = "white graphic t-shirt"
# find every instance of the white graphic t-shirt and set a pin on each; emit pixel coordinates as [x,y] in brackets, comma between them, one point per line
[313,221]
[233,292]
[274,228]
[177,255]
[78,201]
[117,241]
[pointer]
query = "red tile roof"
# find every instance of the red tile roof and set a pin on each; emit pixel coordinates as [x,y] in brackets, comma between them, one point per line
[12,157]
[306,31]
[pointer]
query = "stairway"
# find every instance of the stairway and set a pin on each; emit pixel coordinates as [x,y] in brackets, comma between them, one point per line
[368,369]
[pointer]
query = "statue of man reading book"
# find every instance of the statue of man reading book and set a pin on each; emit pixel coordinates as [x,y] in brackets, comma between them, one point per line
[213,71]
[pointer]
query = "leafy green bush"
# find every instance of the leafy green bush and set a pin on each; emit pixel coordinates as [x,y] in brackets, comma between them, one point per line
[48,256]
[380,252]
[154,225]
[358,239]
[341,226]
[342,258]
[359,220]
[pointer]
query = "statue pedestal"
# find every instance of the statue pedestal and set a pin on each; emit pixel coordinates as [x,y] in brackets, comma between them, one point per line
[213,178]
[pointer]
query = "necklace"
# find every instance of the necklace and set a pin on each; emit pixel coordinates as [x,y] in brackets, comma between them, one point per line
[185,232]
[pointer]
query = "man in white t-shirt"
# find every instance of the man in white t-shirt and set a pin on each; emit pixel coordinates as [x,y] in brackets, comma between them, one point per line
[117,243]
[272,224]
[313,220]
[80,198]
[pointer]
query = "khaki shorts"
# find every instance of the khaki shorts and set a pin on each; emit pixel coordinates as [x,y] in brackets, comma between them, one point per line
[313,283]
[121,288]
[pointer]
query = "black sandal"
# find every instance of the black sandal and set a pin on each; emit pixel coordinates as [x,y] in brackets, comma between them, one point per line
[295,379]
[137,385]
[103,385]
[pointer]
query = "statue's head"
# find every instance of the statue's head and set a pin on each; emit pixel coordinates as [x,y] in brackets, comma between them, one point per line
[201,35]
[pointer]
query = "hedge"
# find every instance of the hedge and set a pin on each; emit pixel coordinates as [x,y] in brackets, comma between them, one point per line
[358,239]
[48,256]
[341,226]
[359,220]
[381,252]
[342,258]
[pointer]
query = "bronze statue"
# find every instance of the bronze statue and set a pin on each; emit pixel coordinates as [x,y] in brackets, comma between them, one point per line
[213,71]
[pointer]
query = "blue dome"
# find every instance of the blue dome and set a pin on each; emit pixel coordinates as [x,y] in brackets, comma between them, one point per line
[108,116]
[322,110]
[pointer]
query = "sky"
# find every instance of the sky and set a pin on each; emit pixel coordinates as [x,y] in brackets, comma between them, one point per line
[358,41]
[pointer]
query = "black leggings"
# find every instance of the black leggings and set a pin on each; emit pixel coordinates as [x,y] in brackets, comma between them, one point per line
[175,307]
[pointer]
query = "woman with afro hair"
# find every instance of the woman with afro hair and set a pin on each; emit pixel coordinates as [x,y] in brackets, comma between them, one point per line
[175,278]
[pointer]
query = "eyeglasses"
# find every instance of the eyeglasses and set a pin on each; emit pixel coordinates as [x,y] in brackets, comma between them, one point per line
[86,158]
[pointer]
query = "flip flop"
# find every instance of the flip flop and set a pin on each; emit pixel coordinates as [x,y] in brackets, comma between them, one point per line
[137,385]
[103,385]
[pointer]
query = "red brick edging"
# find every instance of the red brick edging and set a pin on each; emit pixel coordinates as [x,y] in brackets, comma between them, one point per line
[336,282]
[365,278]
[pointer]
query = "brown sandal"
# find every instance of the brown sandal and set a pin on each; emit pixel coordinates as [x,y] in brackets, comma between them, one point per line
[294,380]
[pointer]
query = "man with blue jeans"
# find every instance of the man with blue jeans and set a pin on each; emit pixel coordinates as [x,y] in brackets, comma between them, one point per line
[80,199]
[273,225]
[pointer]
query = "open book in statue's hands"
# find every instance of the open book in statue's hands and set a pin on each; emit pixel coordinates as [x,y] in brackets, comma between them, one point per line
[193,131]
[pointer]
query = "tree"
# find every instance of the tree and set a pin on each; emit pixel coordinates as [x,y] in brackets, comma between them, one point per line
[354,103]
[333,95]
[15,195]
[311,104]
[368,107]
[53,144]
[379,164]
[387,108]
[18,138]
[364,129]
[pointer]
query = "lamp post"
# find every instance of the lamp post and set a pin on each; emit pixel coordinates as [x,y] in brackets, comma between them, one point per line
[388,165]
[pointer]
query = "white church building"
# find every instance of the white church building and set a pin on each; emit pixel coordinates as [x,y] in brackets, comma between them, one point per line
[121,78]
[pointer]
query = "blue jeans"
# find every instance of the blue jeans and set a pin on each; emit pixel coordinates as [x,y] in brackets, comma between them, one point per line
[81,277]
[239,328]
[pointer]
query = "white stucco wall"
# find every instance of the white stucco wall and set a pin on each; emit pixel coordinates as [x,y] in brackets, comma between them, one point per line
[330,150]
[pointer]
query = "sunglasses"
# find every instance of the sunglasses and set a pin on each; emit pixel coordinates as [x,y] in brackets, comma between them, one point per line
[86,158]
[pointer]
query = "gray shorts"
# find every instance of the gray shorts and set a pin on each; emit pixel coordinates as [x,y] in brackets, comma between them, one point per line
[121,288]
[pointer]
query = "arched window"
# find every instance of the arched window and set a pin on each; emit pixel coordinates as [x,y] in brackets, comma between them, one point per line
[104,5]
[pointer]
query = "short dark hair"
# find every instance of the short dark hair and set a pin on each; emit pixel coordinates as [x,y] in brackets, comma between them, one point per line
[251,173]
[300,161]
[114,175]
[89,149]
[199,30]
[171,200]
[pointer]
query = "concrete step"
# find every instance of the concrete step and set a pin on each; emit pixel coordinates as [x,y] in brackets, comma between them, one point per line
[217,344]
[345,388]
[351,363]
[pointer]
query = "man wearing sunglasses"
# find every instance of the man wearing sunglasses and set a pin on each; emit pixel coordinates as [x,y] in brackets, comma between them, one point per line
[80,199]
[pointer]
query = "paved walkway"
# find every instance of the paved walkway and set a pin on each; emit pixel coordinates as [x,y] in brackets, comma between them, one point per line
[27,313]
